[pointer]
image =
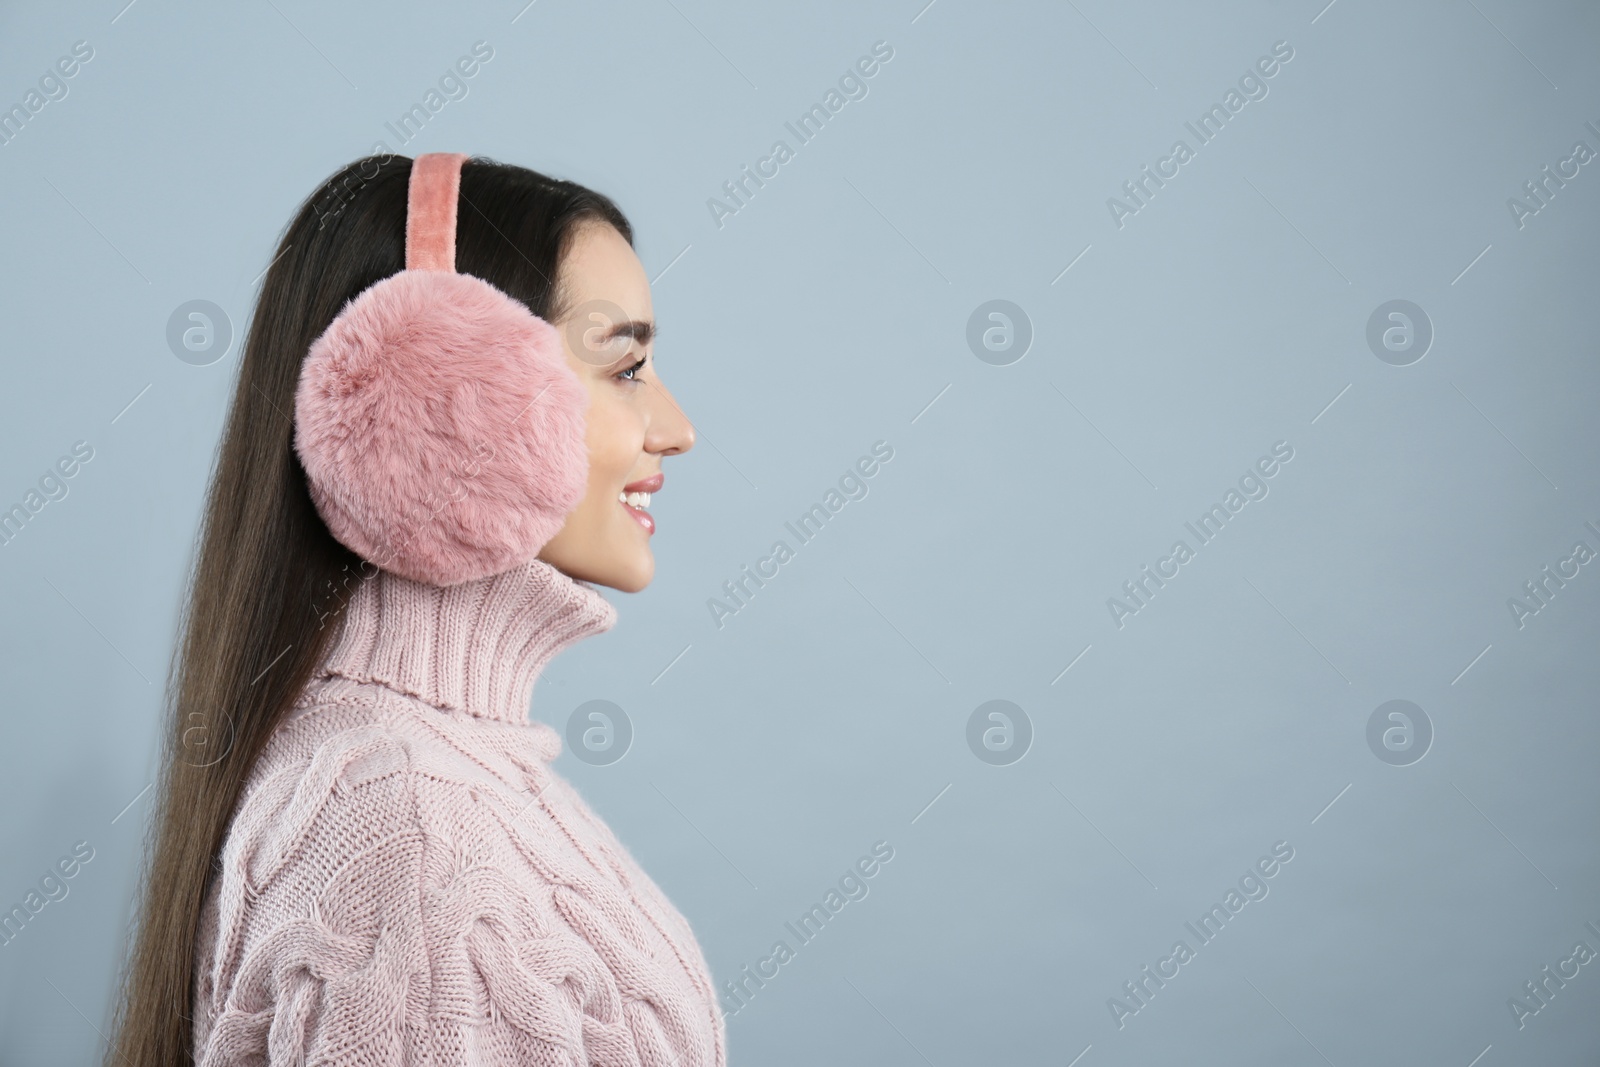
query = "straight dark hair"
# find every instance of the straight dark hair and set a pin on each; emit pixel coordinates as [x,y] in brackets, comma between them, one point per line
[263,597]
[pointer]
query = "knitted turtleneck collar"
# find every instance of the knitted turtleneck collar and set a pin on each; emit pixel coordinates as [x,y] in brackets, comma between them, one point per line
[476,647]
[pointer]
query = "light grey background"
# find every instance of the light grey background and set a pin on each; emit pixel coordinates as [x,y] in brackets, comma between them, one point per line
[831,312]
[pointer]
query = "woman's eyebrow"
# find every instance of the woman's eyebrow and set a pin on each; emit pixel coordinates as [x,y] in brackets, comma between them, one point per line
[637,329]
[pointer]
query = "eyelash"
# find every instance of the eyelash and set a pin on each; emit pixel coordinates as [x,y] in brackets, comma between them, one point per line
[631,370]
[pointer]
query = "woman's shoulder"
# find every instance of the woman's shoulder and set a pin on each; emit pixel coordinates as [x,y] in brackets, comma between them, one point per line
[358,763]
[325,787]
[348,812]
[406,856]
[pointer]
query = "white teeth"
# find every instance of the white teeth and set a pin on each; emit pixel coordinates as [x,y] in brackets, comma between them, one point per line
[636,500]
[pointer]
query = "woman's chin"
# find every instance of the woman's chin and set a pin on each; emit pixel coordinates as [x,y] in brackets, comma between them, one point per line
[627,570]
[636,572]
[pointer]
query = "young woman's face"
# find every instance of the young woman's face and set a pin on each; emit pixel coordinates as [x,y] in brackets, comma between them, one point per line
[632,420]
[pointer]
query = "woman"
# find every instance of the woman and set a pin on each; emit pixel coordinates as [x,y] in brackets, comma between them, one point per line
[361,854]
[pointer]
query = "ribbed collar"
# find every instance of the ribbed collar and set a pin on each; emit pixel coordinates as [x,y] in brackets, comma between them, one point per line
[476,647]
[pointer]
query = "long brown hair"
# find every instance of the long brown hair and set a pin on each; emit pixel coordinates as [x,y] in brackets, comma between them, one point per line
[262,602]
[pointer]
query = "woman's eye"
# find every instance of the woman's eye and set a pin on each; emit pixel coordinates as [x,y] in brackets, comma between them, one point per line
[630,371]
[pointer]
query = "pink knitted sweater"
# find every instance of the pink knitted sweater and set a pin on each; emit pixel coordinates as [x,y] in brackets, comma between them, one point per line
[407,881]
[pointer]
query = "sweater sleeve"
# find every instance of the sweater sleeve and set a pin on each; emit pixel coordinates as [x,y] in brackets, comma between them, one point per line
[348,930]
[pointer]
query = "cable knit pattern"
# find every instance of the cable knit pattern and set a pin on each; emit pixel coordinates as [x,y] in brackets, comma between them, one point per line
[407,881]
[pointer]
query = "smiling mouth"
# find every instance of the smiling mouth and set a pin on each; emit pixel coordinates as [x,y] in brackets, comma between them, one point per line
[636,503]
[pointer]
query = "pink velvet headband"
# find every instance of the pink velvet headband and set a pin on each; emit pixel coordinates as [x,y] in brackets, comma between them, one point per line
[431,211]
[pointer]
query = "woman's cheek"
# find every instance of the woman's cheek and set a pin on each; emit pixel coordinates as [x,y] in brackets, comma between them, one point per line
[619,438]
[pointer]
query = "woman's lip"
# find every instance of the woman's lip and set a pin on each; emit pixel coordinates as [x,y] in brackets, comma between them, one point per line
[646,485]
[642,517]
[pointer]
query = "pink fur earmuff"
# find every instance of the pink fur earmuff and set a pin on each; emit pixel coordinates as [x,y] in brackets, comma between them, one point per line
[439,424]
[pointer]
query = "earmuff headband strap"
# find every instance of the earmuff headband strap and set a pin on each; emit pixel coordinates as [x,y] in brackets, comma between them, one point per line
[431,211]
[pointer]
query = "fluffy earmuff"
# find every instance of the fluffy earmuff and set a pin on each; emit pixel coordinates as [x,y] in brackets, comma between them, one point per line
[440,426]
